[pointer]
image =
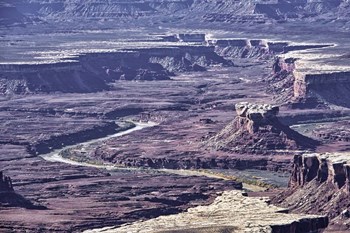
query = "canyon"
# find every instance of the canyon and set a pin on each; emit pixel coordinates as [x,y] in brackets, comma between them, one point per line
[174,116]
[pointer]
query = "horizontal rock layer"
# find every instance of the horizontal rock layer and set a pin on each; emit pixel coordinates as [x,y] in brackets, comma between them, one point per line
[94,71]
[320,183]
[217,11]
[231,212]
[256,129]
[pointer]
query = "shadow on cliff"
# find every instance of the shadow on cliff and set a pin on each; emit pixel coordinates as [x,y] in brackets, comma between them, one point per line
[13,199]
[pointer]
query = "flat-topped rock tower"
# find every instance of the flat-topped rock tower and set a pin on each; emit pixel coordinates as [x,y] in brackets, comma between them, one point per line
[256,129]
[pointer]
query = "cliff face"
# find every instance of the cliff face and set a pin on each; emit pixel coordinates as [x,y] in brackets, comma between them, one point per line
[9,15]
[332,88]
[241,48]
[281,81]
[307,90]
[257,48]
[297,8]
[256,129]
[93,72]
[320,183]
[62,77]
[5,183]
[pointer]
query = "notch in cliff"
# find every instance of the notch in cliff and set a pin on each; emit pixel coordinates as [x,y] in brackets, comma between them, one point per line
[256,129]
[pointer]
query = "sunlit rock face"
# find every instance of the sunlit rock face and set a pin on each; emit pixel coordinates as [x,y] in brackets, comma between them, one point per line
[256,129]
[231,212]
[332,168]
[320,183]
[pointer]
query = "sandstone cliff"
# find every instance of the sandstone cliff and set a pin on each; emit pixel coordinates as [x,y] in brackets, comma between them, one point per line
[95,71]
[332,88]
[320,183]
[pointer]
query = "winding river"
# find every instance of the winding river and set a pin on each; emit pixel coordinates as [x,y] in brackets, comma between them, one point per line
[55,156]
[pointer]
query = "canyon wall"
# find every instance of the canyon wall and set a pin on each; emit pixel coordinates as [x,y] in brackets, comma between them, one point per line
[307,90]
[256,48]
[94,71]
[331,88]
[320,183]
[256,129]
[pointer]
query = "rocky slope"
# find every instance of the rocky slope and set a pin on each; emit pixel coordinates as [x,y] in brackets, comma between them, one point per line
[320,184]
[256,129]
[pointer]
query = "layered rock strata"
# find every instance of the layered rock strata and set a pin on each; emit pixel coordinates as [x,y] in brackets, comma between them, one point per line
[256,129]
[95,71]
[320,183]
[302,89]
[250,11]
[231,212]
[330,88]
[5,183]
[256,48]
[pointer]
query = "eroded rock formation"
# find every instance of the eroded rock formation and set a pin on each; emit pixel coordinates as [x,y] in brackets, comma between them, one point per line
[5,183]
[302,89]
[231,212]
[281,81]
[332,88]
[320,183]
[256,129]
[95,71]
[9,198]
[250,11]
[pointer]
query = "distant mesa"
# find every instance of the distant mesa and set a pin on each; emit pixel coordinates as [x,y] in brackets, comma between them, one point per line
[256,129]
